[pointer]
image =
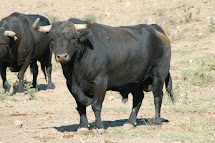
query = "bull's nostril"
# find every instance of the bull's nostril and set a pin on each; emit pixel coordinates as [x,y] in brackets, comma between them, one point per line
[58,57]
[65,56]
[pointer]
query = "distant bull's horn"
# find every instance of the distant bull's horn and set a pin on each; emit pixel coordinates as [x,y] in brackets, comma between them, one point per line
[46,28]
[84,26]
[10,33]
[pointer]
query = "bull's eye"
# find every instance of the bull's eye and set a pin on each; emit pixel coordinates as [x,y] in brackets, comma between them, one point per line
[51,40]
[73,38]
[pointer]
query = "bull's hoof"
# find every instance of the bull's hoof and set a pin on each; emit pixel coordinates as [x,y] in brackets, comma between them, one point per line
[81,130]
[127,126]
[20,94]
[159,121]
[98,131]
[124,100]
[50,86]
[11,90]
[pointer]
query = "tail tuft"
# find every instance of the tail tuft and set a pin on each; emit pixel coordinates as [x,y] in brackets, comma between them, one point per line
[168,83]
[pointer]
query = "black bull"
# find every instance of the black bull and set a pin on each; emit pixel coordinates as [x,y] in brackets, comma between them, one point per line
[98,58]
[21,46]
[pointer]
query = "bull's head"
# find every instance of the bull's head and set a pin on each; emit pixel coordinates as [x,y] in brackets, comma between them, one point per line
[64,37]
[4,42]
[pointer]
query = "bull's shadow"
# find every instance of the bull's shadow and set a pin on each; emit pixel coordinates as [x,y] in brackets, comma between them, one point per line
[107,124]
[42,87]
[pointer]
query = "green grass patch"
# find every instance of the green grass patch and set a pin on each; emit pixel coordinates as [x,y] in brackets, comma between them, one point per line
[30,91]
[185,52]
[194,109]
[188,131]
[203,74]
[3,95]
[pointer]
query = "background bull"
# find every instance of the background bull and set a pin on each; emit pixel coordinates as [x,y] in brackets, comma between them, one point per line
[20,46]
[96,58]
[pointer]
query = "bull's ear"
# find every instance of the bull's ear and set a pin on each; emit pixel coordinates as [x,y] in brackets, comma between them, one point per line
[84,38]
[82,35]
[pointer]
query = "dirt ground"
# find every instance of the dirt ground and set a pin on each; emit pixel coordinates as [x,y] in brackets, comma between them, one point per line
[52,116]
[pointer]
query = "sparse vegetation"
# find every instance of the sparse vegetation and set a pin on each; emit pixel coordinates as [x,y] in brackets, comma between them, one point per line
[91,17]
[203,74]
[51,18]
[3,95]
[212,24]
[30,91]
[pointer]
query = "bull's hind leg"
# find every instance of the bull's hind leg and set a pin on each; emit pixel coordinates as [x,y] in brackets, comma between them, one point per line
[138,96]
[46,64]
[34,70]
[157,89]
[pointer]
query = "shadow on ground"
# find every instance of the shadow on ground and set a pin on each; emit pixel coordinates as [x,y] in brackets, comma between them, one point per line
[107,124]
[42,87]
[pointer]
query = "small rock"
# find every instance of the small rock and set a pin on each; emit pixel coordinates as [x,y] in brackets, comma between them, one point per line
[18,123]
[107,14]
[128,3]
[190,61]
[42,135]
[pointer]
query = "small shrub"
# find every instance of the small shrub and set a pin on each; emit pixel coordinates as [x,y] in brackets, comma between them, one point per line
[212,25]
[29,90]
[91,17]
[3,95]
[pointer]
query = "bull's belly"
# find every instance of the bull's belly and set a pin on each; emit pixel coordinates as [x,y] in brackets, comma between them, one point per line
[123,86]
[125,82]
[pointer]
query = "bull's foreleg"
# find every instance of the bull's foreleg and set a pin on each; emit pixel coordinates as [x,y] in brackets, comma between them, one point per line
[98,97]
[21,75]
[138,96]
[50,85]
[6,85]
[83,126]
[49,71]
[82,101]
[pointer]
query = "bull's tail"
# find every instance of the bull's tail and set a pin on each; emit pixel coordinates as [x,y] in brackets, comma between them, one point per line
[168,83]
[43,68]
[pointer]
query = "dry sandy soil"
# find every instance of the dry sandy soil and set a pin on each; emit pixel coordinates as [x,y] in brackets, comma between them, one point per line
[52,116]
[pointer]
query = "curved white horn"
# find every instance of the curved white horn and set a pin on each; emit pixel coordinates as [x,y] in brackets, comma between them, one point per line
[84,26]
[46,28]
[10,33]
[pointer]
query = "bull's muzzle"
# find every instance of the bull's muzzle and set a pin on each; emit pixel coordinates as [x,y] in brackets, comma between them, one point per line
[62,58]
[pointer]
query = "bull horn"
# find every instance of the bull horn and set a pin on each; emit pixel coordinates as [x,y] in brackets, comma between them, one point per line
[46,28]
[10,33]
[84,26]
